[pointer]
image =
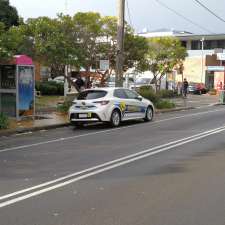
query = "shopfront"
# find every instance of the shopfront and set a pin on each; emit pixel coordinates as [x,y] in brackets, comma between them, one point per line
[215,72]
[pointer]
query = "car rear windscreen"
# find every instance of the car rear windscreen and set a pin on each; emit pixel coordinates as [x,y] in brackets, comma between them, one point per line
[92,94]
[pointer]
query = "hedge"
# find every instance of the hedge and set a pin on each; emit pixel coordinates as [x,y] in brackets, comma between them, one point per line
[50,88]
[4,121]
[149,93]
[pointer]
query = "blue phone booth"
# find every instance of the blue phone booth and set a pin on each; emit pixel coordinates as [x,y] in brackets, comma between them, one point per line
[17,87]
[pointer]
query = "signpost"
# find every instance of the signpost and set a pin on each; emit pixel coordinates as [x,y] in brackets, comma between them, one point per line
[221,56]
[104,65]
[215,68]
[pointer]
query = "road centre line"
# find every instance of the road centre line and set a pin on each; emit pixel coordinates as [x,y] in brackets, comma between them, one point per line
[107,163]
[103,167]
[24,147]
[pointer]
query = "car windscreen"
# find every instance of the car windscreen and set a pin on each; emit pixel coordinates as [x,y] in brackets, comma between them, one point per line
[91,94]
[143,81]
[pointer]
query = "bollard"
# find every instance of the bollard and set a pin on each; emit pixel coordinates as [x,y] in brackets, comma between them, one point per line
[222,96]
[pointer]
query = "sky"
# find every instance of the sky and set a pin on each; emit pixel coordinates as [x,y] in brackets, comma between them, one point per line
[143,13]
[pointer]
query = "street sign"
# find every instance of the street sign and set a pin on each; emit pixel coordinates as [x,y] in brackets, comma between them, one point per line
[104,65]
[221,56]
[215,68]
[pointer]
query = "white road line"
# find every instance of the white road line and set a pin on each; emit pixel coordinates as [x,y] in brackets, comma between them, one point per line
[24,147]
[105,164]
[25,133]
[112,165]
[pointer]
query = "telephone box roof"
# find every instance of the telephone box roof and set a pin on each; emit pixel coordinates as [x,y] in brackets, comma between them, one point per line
[22,60]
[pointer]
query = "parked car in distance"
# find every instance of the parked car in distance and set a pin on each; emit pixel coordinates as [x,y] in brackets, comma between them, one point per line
[140,82]
[197,88]
[60,79]
[111,82]
[110,105]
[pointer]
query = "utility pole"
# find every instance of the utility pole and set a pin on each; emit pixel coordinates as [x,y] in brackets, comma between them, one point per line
[120,43]
[66,7]
[202,41]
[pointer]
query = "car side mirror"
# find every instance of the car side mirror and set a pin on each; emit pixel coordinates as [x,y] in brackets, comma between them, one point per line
[139,98]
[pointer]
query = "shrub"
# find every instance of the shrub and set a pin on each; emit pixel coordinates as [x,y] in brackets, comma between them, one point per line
[64,107]
[149,93]
[47,89]
[164,104]
[50,88]
[167,93]
[4,121]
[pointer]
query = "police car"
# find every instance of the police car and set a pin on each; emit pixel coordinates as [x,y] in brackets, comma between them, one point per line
[112,105]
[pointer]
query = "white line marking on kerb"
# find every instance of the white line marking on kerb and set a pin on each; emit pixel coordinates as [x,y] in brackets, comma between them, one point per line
[25,147]
[105,167]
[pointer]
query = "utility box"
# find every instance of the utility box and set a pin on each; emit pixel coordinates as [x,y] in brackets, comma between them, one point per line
[222,97]
[17,87]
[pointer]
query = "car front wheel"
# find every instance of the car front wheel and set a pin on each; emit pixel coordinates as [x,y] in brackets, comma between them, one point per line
[148,114]
[115,118]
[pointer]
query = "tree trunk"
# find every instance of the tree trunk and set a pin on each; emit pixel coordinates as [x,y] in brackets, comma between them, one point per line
[160,81]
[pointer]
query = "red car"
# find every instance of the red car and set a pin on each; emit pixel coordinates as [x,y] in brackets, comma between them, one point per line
[197,88]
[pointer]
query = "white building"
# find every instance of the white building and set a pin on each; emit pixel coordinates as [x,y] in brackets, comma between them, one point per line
[197,67]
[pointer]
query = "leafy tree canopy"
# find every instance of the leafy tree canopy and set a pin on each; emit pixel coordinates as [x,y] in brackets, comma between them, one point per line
[8,14]
[163,55]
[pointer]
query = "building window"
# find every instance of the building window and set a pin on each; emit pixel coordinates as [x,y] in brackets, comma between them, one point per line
[208,45]
[184,44]
[195,45]
[221,44]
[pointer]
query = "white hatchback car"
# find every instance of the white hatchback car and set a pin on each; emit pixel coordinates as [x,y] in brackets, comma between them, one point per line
[111,105]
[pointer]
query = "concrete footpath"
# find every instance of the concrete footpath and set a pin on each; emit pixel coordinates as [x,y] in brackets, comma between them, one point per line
[53,120]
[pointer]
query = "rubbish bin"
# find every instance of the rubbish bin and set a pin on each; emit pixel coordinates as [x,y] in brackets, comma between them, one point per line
[222,97]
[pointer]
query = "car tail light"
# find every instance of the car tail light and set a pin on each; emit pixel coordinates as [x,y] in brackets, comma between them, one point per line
[101,102]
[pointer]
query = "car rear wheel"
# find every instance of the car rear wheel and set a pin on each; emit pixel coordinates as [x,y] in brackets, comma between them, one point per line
[115,118]
[148,114]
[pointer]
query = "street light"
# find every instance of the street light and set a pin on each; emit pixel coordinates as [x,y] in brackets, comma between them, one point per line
[202,41]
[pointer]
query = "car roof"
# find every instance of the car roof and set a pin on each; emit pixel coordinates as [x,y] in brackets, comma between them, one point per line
[108,89]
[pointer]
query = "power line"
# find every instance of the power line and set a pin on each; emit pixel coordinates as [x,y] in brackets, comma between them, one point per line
[185,18]
[210,11]
[129,14]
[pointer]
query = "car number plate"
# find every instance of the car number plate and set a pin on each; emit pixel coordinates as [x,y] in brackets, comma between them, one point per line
[84,115]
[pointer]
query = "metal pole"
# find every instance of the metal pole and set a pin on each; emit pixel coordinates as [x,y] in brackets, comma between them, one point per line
[66,7]
[120,43]
[17,94]
[66,82]
[202,41]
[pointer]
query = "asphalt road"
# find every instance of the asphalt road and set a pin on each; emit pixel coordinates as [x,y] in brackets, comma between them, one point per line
[167,172]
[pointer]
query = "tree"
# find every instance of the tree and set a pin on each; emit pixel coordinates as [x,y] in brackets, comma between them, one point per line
[52,42]
[8,14]
[89,27]
[4,52]
[163,55]
[8,43]
[79,41]
[135,47]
